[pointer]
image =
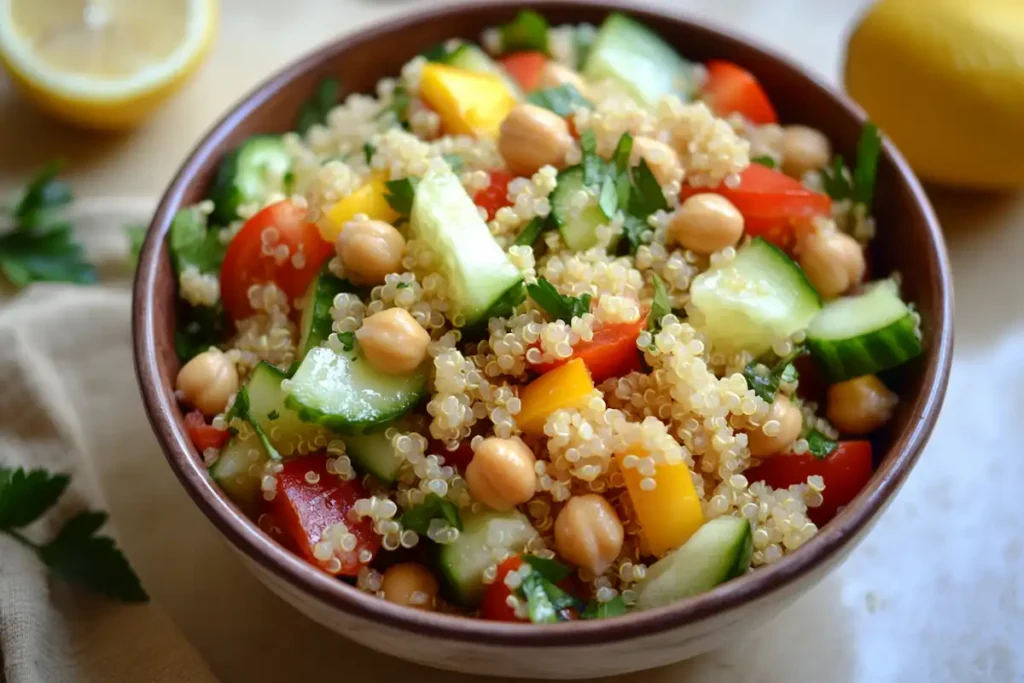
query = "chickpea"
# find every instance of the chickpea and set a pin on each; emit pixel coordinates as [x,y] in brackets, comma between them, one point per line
[833,262]
[706,223]
[804,149]
[532,137]
[410,584]
[860,405]
[791,423]
[501,475]
[208,381]
[554,75]
[662,159]
[370,250]
[588,533]
[393,341]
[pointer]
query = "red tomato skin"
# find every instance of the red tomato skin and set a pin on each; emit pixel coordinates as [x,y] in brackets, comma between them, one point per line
[732,89]
[459,458]
[494,606]
[204,436]
[525,68]
[495,195]
[245,264]
[845,472]
[611,353]
[774,206]
[305,510]
[271,526]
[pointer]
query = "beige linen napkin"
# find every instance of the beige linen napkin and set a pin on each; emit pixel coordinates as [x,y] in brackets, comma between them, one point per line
[67,393]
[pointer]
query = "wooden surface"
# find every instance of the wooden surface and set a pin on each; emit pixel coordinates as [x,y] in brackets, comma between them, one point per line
[934,592]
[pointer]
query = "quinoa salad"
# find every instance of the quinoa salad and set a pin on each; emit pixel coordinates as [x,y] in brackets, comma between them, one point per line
[555,325]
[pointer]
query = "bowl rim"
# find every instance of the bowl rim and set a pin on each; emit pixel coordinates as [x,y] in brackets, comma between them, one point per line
[245,536]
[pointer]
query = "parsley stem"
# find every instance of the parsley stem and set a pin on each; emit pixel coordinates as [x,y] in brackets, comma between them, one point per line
[21,539]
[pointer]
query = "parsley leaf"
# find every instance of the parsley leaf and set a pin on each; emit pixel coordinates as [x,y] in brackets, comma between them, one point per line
[835,180]
[634,230]
[646,197]
[400,195]
[315,110]
[557,306]
[94,562]
[528,31]
[764,161]
[42,197]
[608,199]
[623,150]
[600,610]
[819,445]
[25,496]
[544,600]
[347,339]
[192,243]
[869,148]
[766,385]
[198,328]
[76,554]
[661,305]
[433,506]
[552,570]
[531,232]
[562,99]
[368,151]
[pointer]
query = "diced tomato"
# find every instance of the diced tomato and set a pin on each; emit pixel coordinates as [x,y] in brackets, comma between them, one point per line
[247,262]
[495,606]
[611,353]
[310,500]
[845,471]
[495,195]
[774,206]
[203,435]
[732,89]
[271,526]
[525,68]
[459,458]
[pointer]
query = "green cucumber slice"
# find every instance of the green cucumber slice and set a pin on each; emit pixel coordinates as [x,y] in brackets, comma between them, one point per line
[865,334]
[317,324]
[638,59]
[345,394]
[238,471]
[578,227]
[749,302]
[268,409]
[718,551]
[251,172]
[478,270]
[486,539]
[375,454]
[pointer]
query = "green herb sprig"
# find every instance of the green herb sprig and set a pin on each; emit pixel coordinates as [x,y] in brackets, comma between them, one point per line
[781,371]
[77,553]
[433,507]
[558,306]
[314,111]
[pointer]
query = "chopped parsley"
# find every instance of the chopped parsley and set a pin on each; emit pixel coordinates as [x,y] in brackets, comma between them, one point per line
[545,602]
[819,445]
[858,186]
[397,110]
[661,305]
[600,610]
[552,570]
[766,385]
[764,161]
[400,195]
[558,306]
[347,339]
[528,31]
[418,518]
[314,111]
[562,99]
[531,232]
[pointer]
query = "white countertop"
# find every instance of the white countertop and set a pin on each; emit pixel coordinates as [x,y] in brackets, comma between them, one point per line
[934,593]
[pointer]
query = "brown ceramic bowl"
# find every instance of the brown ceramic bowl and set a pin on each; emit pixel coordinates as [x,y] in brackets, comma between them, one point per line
[909,241]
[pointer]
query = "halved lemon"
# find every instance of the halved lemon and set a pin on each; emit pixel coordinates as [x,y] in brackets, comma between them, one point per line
[103,63]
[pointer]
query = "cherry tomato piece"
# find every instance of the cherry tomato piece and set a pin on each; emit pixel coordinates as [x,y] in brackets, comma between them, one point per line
[732,89]
[276,245]
[495,195]
[203,435]
[525,68]
[845,471]
[495,606]
[611,353]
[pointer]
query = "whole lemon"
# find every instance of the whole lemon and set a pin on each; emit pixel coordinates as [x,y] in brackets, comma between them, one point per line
[945,80]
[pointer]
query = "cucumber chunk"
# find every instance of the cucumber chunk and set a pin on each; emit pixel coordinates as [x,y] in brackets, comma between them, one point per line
[471,58]
[749,302]
[257,167]
[865,334]
[718,551]
[578,226]
[486,538]
[478,270]
[317,324]
[638,59]
[375,454]
[238,471]
[268,409]
[345,394]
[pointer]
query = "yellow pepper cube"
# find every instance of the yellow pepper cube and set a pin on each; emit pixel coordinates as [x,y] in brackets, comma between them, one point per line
[670,512]
[568,386]
[368,199]
[468,102]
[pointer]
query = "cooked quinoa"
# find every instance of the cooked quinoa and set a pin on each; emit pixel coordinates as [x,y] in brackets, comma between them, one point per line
[615,394]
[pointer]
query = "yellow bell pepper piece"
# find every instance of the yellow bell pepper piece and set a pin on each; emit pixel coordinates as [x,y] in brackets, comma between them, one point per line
[670,513]
[468,102]
[368,199]
[568,386]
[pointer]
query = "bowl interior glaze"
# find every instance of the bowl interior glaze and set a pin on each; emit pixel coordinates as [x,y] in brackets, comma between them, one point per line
[908,240]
